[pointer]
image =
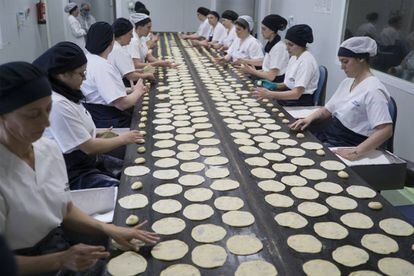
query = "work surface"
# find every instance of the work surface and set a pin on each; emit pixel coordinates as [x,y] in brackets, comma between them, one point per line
[201,105]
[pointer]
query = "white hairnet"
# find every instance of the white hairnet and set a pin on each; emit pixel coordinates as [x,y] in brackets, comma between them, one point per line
[70,7]
[138,17]
[361,45]
[249,20]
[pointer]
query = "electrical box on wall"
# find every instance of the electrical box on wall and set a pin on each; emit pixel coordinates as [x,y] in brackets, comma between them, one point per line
[21,17]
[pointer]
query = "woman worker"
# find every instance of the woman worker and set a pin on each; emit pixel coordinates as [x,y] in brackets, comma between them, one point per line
[72,127]
[204,29]
[276,56]
[107,99]
[217,31]
[75,33]
[359,108]
[228,17]
[302,72]
[35,202]
[245,46]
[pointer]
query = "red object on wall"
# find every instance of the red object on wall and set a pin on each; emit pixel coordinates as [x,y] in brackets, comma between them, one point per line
[41,12]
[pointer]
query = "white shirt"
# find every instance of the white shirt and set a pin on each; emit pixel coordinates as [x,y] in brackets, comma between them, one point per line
[75,33]
[121,59]
[389,36]
[230,37]
[103,84]
[363,108]
[367,29]
[138,48]
[70,124]
[204,29]
[218,33]
[277,58]
[302,72]
[249,48]
[32,202]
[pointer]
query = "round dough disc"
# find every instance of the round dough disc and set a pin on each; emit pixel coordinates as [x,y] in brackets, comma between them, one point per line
[224,185]
[167,206]
[294,152]
[165,174]
[304,243]
[238,218]
[284,167]
[330,230]
[166,162]
[136,171]
[181,269]
[350,256]
[294,180]
[192,167]
[278,200]
[168,226]
[168,189]
[379,243]
[215,173]
[320,267]
[210,151]
[312,209]
[216,161]
[198,194]
[361,191]
[332,165]
[170,250]
[257,268]
[163,153]
[341,202]
[228,203]
[311,146]
[127,264]
[135,201]
[244,244]
[302,161]
[314,174]
[209,256]
[395,267]
[357,220]
[291,219]
[208,233]
[198,211]
[328,187]
[263,173]
[364,273]
[271,186]
[396,227]
[304,192]
[188,147]
[257,161]
[274,156]
[191,180]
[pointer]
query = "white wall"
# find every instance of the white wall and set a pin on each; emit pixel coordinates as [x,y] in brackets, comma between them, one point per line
[327,29]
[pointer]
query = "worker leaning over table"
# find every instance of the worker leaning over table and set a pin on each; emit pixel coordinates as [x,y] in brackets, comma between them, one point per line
[204,29]
[302,72]
[138,48]
[71,125]
[358,110]
[120,57]
[217,31]
[35,202]
[107,99]
[276,59]
[245,46]
[228,17]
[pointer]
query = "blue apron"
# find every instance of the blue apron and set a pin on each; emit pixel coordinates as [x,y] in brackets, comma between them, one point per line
[335,134]
[105,116]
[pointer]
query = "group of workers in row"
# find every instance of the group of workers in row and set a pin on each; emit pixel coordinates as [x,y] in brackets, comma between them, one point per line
[50,111]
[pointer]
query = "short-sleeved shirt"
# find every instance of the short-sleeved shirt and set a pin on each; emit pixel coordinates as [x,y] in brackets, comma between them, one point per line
[121,59]
[230,37]
[218,33]
[70,124]
[204,29]
[249,48]
[363,108]
[103,84]
[276,58]
[32,202]
[302,72]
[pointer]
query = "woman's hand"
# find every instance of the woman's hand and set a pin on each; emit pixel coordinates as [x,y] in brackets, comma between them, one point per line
[300,124]
[262,93]
[139,86]
[81,257]
[219,60]
[133,136]
[124,235]
[246,68]
[347,153]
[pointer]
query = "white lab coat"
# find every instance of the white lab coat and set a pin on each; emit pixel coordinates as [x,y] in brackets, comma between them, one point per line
[204,29]
[302,72]
[218,33]
[75,33]
[121,59]
[363,108]
[249,48]
[277,58]
[230,37]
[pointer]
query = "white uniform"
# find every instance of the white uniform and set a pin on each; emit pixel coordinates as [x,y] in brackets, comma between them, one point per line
[277,58]
[103,84]
[363,108]
[121,59]
[70,124]
[249,48]
[204,29]
[302,72]
[367,29]
[218,33]
[389,36]
[75,33]
[32,203]
[138,48]
[230,37]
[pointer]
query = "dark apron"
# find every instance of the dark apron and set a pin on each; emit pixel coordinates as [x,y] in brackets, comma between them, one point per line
[335,134]
[90,171]
[7,262]
[279,79]
[105,116]
[304,100]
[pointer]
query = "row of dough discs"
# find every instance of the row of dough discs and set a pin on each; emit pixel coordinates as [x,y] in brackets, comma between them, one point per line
[181,122]
[251,125]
